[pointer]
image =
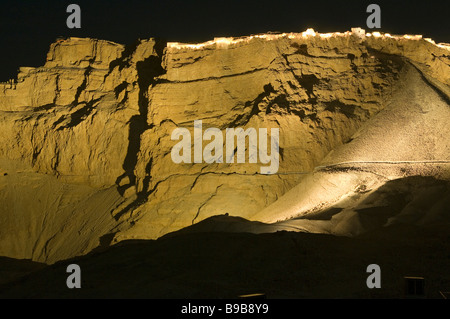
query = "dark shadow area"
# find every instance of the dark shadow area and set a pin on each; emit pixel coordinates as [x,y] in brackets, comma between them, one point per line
[11,270]
[227,265]
[307,81]
[79,115]
[148,70]
[323,215]
[407,200]
[347,109]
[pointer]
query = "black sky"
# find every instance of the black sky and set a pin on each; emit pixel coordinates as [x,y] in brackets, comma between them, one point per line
[28,27]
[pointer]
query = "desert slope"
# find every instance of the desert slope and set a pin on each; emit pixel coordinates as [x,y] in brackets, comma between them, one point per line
[408,138]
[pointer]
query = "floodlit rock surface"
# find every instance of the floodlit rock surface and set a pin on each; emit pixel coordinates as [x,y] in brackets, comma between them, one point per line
[85,148]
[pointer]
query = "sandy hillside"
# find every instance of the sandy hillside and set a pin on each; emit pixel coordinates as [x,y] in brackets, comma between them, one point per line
[86,173]
[398,164]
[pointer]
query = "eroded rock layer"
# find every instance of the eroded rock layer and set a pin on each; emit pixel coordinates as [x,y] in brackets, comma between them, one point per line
[94,126]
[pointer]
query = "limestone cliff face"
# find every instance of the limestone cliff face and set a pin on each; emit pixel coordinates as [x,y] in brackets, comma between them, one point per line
[96,120]
[71,117]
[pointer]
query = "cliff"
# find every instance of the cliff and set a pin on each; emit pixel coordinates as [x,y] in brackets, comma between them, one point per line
[85,149]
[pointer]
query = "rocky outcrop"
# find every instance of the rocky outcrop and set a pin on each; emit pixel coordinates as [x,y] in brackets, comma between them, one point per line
[78,119]
[71,117]
[98,117]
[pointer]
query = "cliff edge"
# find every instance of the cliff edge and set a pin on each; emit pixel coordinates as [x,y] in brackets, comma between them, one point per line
[85,149]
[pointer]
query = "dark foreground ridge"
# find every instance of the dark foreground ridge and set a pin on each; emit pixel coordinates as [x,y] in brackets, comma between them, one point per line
[227,265]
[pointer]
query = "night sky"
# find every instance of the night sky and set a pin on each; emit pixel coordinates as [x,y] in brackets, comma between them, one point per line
[29,27]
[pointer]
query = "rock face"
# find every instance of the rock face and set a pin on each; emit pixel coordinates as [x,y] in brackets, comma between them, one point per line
[85,152]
